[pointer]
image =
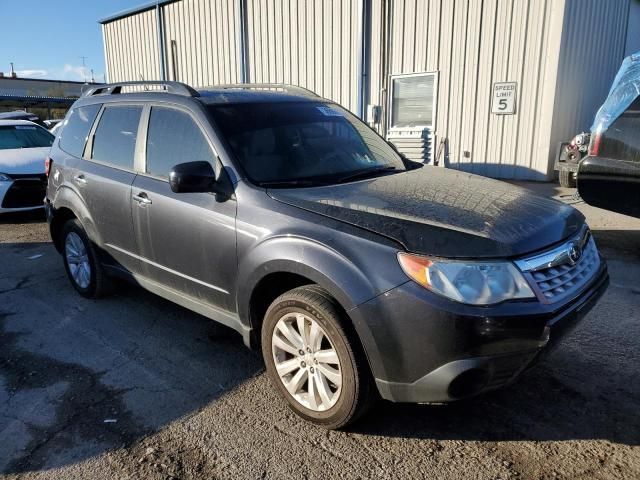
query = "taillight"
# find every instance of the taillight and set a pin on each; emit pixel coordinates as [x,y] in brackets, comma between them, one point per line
[47,165]
[594,145]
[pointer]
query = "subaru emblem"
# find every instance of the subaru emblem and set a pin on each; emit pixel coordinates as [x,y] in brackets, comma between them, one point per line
[574,253]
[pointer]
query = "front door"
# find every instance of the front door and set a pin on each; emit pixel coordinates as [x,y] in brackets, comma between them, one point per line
[186,240]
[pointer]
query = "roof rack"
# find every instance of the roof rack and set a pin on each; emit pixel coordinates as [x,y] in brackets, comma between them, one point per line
[177,88]
[268,86]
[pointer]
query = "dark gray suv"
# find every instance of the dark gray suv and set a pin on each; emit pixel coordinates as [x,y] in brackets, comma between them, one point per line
[357,272]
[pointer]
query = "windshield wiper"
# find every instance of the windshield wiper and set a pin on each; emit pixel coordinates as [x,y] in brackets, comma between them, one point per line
[368,172]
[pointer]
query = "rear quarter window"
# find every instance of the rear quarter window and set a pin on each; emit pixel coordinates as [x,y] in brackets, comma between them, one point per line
[114,141]
[76,129]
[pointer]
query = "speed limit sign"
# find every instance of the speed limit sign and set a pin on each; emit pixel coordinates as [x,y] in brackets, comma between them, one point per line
[504,98]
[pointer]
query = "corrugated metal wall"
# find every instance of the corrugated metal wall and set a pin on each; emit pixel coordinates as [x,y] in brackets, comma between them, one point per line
[472,44]
[309,43]
[590,56]
[201,41]
[561,53]
[131,48]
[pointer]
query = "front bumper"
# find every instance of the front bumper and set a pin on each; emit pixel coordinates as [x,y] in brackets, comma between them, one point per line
[425,349]
[24,193]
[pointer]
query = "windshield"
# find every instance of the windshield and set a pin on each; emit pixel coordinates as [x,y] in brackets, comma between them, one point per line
[24,136]
[296,142]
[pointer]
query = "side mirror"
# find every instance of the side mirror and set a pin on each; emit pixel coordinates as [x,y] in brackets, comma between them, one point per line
[192,177]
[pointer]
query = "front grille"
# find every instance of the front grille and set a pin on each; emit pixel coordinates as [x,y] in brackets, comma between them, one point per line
[555,276]
[25,191]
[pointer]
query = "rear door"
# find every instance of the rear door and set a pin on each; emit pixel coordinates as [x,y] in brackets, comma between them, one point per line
[104,180]
[187,240]
[610,176]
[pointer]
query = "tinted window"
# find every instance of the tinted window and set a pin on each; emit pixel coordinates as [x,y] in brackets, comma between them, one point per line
[173,137]
[286,141]
[115,138]
[24,136]
[76,128]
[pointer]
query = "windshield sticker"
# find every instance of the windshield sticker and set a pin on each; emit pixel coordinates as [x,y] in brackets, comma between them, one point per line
[329,112]
[25,127]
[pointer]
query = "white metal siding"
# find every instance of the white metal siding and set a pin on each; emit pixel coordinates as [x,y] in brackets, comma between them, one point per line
[633,31]
[471,44]
[309,43]
[562,54]
[206,43]
[131,46]
[202,35]
[592,50]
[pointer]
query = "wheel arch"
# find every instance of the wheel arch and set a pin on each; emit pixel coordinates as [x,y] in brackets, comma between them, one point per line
[68,205]
[282,264]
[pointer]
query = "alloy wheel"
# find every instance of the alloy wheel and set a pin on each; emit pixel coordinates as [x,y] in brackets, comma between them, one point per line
[78,260]
[306,361]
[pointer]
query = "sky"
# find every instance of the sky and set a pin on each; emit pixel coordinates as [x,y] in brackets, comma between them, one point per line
[47,38]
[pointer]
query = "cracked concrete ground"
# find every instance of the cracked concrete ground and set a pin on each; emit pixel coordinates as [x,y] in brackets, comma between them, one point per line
[133,386]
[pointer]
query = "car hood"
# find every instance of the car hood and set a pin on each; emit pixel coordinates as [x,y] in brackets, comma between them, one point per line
[442,212]
[23,160]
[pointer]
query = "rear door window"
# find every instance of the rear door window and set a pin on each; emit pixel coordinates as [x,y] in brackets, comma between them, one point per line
[174,137]
[76,129]
[114,141]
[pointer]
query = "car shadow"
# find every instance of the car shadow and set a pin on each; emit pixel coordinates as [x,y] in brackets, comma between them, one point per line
[618,244]
[28,216]
[540,406]
[79,377]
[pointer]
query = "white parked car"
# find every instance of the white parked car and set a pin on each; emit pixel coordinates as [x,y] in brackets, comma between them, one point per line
[23,149]
[56,128]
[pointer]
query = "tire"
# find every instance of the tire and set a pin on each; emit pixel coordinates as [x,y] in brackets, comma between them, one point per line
[567,178]
[93,283]
[345,400]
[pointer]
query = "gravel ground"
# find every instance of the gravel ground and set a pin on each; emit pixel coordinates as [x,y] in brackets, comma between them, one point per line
[133,386]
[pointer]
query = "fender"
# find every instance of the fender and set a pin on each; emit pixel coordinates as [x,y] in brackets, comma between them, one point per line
[321,264]
[343,279]
[66,197]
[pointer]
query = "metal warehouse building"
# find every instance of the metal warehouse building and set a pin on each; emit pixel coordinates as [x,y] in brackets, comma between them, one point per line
[488,86]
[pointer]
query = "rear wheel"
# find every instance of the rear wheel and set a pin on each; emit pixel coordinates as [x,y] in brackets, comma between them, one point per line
[81,262]
[312,360]
[567,178]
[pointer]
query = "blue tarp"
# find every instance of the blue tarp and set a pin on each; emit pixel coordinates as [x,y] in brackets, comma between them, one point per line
[624,90]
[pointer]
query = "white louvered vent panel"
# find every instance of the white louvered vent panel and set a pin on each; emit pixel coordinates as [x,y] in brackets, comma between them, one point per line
[414,144]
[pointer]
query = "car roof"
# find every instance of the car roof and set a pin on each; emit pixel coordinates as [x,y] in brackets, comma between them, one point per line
[17,114]
[213,96]
[9,123]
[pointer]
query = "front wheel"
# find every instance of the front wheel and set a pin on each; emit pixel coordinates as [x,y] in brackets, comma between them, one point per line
[312,360]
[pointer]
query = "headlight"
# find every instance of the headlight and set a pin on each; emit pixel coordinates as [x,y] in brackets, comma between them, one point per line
[5,178]
[475,283]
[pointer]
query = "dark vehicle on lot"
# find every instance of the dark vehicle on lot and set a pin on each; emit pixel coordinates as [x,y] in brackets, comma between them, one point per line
[609,177]
[282,215]
[569,157]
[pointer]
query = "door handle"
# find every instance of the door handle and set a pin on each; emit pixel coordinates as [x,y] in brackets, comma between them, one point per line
[142,199]
[80,179]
